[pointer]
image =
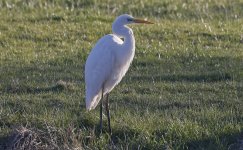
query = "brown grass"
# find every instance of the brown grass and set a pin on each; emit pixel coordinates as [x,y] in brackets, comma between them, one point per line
[24,138]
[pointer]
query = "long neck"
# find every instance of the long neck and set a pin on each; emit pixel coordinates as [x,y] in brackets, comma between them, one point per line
[129,40]
[126,33]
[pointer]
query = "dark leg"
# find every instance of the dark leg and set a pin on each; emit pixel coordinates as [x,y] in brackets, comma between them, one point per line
[101,107]
[108,113]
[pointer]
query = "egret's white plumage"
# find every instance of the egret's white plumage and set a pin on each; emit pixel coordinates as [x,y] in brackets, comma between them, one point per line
[102,69]
[109,60]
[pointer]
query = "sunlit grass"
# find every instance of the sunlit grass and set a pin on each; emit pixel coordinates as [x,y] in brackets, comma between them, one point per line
[184,89]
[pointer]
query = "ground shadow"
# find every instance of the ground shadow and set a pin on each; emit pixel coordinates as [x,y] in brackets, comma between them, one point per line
[3,142]
[187,67]
[233,142]
[209,77]
[23,89]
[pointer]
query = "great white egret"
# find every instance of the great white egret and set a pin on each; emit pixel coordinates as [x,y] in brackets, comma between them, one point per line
[108,62]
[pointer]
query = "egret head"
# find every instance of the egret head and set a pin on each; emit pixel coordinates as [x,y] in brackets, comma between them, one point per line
[119,25]
[128,19]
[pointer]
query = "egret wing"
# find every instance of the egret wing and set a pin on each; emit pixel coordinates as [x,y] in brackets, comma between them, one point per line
[98,69]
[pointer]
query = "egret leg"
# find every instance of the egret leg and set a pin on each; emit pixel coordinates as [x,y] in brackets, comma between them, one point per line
[101,107]
[108,113]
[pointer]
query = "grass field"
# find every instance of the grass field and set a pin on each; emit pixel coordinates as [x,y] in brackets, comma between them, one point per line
[184,89]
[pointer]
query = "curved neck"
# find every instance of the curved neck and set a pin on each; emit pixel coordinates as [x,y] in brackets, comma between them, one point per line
[123,31]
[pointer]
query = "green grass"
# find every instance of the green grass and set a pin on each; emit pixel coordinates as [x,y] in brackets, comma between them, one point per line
[184,89]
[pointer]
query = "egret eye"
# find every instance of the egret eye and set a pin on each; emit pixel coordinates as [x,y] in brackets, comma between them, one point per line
[129,19]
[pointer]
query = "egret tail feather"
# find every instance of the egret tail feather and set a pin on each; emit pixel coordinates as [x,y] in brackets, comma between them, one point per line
[92,102]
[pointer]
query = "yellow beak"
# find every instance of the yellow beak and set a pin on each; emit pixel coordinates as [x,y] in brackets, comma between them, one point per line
[142,21]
